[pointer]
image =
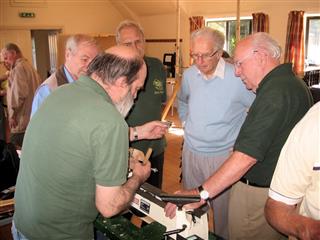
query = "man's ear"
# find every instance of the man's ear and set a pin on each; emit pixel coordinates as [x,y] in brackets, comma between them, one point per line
[121,82]
[262,56]
[67,53]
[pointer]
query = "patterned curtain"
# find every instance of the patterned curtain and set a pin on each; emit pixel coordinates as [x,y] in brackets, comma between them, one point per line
[260,22]
[196,23]
[294,49]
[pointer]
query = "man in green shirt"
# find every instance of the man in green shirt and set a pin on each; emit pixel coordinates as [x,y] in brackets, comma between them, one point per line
[75,157]
[281,101]
[147,106]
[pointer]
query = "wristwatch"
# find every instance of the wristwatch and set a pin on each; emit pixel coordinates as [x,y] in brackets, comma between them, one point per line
[204,194]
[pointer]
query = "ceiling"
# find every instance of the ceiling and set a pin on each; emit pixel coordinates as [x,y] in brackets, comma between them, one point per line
[145,7]
[141,8]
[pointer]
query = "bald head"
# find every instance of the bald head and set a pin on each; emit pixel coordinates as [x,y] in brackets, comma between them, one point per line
[116,62]
[264,41]
[123,52]
[254,57]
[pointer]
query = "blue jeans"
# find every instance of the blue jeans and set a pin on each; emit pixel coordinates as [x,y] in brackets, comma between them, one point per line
[16,234]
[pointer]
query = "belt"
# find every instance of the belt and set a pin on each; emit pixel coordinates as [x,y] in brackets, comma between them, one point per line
[246,181]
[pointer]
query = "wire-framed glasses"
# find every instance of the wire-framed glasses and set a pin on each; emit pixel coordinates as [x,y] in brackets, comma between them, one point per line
[205,56]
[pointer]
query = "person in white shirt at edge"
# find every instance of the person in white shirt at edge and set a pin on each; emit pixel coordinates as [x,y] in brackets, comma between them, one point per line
[296,182]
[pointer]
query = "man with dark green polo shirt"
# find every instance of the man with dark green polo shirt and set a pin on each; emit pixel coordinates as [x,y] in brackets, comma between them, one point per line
[281,101]
[148,105]
[75,156]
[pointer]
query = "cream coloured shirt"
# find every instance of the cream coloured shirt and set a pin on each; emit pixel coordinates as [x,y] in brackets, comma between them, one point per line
[297,176]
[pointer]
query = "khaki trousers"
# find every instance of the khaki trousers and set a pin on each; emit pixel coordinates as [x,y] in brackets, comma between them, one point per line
[246,214]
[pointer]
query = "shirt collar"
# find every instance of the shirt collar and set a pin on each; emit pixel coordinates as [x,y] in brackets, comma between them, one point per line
[219,72]
[68,75]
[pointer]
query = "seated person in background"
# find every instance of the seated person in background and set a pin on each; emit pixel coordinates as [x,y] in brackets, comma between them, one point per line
[79,51]
[296,181]
[23,80]
[75,156]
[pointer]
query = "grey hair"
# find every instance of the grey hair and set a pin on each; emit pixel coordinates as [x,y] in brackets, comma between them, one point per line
[217,37]
[128,24]
[75,40]
[265,41]
[110,67]
[12,47]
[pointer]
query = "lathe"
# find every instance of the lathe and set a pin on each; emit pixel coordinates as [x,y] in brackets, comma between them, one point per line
[148,204]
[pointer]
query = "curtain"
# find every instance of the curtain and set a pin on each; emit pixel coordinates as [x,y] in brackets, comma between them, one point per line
[260,22]
[196,22]
[53,51]
[294,49]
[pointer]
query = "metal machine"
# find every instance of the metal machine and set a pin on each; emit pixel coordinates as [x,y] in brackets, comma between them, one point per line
[150,202]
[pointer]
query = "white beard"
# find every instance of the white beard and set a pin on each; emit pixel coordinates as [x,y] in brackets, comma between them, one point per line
[125,104]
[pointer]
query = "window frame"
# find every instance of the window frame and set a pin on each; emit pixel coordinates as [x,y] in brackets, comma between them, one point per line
[228,20]
[307,19]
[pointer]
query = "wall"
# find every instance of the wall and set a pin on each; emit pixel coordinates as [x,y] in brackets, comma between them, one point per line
[163,26]
[101,17]
[72,16]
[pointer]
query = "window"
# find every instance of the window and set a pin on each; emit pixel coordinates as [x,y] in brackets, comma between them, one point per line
[312,45]
[228,27]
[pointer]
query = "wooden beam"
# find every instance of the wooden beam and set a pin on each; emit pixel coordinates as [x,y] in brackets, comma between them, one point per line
[238,22]
[164,40]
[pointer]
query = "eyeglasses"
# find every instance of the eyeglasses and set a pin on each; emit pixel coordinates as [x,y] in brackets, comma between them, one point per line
[132,43]
[205,56]
[239,62]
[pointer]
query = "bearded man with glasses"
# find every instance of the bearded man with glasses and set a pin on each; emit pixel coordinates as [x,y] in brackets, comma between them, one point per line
[213,104]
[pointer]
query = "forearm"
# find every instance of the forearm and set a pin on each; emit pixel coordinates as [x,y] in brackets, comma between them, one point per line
[285,219]
[120,200]
[230,172]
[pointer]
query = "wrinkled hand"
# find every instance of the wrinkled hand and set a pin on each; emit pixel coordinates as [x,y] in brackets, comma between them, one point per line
[310,229]
[142,171]
[135,156]
[152,130]
[12,123]
[170,208]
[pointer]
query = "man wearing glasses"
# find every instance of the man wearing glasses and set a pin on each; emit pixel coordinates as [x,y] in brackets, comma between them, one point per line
[213,104]
[281,101]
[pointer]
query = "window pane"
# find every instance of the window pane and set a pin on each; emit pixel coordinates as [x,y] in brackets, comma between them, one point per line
[313,42]
[231,37]
[228,27]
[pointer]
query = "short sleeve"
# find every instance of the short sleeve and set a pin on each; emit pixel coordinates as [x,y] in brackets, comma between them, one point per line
[258,131]
[110,153]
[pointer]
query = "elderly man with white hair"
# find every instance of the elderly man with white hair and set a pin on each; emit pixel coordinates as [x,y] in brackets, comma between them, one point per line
[281,101]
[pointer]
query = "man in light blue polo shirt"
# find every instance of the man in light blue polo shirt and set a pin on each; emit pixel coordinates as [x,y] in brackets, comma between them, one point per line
[213,105]
[80,50]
